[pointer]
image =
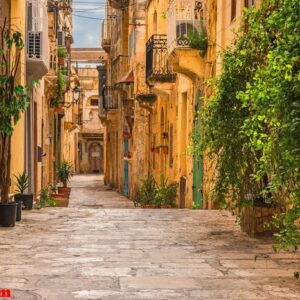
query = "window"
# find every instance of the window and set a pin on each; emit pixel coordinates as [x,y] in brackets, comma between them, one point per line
[94,102]
[233,9]
[249,3]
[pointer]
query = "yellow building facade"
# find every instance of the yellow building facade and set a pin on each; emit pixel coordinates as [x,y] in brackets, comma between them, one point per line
[167,88]
[14,13]
[37,141]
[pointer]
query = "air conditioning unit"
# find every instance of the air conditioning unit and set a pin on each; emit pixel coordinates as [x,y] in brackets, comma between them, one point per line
[61,41]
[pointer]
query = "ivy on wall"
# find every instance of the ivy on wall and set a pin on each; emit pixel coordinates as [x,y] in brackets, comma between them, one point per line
[251,126]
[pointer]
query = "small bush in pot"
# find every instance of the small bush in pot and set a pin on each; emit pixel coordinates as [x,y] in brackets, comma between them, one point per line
[46,200]
[64,174]
[21,196]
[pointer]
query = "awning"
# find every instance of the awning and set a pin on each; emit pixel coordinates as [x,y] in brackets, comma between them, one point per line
[128,78]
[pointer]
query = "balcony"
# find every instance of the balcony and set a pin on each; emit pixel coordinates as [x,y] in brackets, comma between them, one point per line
[37,39]
[110,98]
[158,68]
[187,39]
[106,41]
[120,67]
[119,4]
[183,18]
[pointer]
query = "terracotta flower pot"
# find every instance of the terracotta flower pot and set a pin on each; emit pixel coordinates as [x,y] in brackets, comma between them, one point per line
[166,206]
[65,191]
[165,149]
[61,200]
[147,206]
[126,135]
[61,61]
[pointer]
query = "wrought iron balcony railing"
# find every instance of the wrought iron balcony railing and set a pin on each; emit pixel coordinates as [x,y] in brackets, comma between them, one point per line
[110,98]
[157,65]
[183,18]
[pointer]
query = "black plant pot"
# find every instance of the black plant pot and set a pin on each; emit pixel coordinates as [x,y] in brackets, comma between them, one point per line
[27,200]
[8,214]
[19,210]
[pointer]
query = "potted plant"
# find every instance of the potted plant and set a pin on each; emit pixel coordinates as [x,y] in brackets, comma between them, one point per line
[46,199]
[198,39]
[21,196]
[166,193]
[165,135]
[61,55]
[126,135]
[165,149]
[14,99]
[58,101]
[128,155]
[64,174]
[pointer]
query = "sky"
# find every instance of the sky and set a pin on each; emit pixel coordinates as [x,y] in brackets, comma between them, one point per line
[87,21]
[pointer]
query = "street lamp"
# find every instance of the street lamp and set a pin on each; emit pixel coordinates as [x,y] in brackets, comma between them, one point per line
[76,94]
[76,97]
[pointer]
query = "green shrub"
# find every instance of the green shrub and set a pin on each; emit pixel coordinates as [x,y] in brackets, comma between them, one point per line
[22,183]
[45,199]
[64,172]
[198,39]
[152,194]
[62,53]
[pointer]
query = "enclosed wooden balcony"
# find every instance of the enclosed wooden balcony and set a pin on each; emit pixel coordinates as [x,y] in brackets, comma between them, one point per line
[119,4]
[106,41]
[158,68]
[37,53]
[110,98]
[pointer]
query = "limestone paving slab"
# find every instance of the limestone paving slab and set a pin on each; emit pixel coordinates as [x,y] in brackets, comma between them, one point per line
[102,247]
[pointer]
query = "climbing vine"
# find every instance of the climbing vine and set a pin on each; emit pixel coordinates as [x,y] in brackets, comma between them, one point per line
[251,126]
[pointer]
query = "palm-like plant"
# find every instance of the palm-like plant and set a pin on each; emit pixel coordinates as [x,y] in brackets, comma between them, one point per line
[22,183]
[64,172]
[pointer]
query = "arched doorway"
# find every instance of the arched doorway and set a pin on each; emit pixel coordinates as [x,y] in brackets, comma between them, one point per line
[96,158]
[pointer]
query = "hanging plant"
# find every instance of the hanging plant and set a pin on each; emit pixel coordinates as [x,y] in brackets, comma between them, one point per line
[58,100]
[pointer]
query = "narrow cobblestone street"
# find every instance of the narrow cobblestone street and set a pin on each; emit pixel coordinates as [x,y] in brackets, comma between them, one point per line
[101,247]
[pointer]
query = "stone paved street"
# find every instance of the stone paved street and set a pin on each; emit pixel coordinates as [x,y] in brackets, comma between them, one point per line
[101,247]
